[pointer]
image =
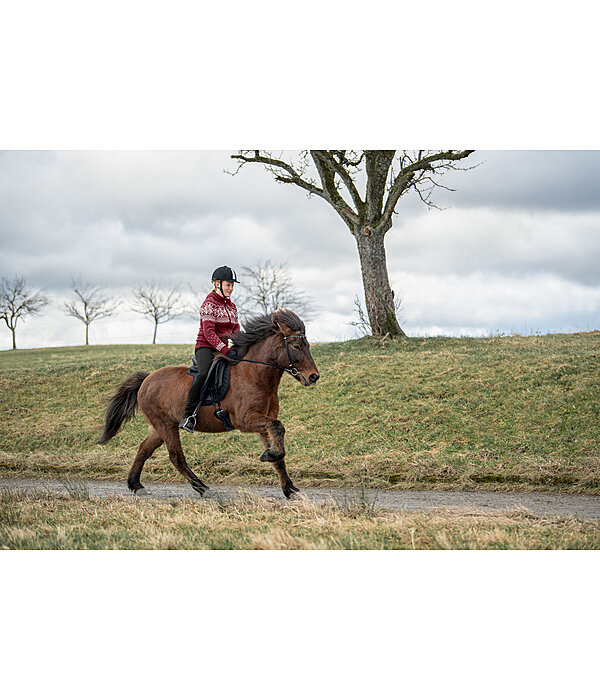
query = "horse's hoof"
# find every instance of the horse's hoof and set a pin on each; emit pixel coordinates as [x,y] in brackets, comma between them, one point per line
[140,492]
[200,487]
[268,456]
[292,492]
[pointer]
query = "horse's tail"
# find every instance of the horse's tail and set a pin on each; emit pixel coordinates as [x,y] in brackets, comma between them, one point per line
[122,406]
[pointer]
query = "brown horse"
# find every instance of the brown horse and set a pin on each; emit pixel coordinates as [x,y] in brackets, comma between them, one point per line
[269,346]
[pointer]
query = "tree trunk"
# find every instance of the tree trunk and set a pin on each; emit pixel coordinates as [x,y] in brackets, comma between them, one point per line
[155,329]
[14,338]
[86,334]
[378,293]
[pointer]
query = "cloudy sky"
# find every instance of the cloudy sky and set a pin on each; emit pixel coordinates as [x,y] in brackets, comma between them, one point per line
[514,248]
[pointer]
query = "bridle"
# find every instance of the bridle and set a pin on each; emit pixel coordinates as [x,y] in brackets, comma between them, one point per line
[290,368]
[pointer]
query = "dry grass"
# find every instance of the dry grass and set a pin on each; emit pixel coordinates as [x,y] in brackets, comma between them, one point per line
[42,520]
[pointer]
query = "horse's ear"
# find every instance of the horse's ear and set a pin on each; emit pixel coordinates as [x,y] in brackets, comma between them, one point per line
[285,330]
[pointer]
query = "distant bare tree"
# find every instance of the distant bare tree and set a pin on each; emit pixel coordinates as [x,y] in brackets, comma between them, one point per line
[17,300]
[193,307]
[158,304]
[268,286]
[89,305]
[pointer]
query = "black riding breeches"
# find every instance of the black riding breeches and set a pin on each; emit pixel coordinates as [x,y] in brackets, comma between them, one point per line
[204,358]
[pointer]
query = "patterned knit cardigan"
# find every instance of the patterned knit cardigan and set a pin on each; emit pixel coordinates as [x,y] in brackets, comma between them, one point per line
[218,318]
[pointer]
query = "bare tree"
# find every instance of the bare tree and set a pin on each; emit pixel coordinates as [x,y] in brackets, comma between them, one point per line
[193,307]
[268,286]
[17,300]
[389,175]
[89,304]
[158,304]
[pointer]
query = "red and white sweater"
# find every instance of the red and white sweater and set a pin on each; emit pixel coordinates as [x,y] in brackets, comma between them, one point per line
[218,318]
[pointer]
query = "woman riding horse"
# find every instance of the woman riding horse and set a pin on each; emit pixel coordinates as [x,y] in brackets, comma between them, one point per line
[268,347]
[218,319]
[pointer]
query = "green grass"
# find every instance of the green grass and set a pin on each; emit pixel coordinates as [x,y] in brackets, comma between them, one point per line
[42,520]
[502,413]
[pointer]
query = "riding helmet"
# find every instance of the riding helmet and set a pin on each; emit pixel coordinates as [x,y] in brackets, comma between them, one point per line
[225,274]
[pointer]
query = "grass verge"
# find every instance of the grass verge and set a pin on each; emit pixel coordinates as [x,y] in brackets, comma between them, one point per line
[41,520]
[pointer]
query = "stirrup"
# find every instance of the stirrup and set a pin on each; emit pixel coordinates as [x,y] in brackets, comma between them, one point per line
[188,424]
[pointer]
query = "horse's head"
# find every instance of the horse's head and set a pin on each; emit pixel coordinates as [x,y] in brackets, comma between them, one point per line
[280,339]
[293,351]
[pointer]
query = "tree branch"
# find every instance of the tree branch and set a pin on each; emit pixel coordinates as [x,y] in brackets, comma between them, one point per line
[339,168]
[294,177]
[408,175]
[326,169]
[330,190]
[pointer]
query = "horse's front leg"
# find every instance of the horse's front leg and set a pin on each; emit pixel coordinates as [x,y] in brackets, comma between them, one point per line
[286,483]
[272,438]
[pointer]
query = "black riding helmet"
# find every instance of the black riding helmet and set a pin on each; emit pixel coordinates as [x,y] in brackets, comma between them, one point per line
[224,274]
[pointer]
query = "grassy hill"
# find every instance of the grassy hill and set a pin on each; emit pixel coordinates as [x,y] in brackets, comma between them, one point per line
[507,413]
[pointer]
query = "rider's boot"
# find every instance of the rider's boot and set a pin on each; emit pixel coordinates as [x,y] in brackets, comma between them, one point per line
[188,422]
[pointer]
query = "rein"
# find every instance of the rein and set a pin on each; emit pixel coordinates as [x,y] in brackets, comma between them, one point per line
[290,368]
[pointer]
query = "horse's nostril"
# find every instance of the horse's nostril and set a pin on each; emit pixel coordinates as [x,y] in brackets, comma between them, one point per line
[313,378]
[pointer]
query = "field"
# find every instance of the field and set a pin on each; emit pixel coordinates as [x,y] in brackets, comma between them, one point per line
[42,520]
[503,413]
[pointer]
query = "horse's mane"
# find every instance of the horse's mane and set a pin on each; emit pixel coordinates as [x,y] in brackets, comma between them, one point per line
[258,328]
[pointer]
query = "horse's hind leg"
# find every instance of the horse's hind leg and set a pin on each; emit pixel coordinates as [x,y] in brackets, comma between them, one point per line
[178,458]
[145,450]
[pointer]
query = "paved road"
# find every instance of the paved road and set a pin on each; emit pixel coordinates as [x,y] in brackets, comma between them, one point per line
[538,503]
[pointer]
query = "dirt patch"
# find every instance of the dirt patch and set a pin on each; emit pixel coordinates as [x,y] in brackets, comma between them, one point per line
[580,506]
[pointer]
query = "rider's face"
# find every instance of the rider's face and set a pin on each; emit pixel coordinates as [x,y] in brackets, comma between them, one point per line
[227,288]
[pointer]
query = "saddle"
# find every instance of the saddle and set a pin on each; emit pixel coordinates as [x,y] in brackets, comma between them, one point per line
[215,388]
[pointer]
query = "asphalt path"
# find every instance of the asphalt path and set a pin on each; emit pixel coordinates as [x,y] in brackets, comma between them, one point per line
[580,506]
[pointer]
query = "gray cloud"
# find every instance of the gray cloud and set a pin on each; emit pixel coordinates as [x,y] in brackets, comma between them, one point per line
[176,211]
[550,180]
[511,242]
[482,303]
[120,218]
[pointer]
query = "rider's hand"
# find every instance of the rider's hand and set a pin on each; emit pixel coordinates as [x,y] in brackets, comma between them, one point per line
[232,355]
